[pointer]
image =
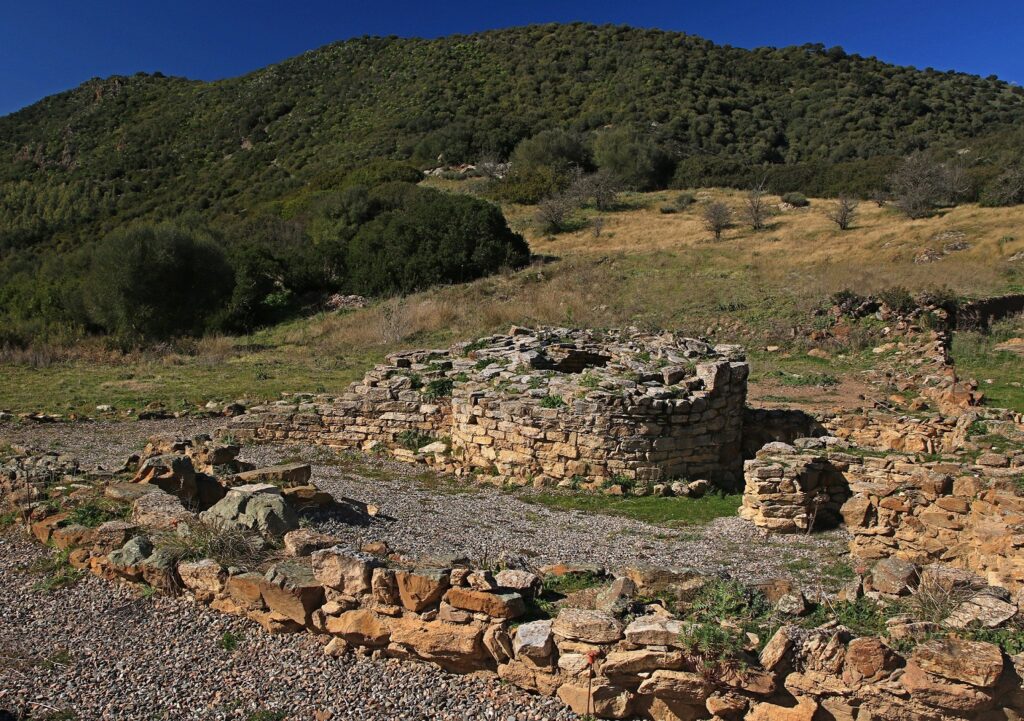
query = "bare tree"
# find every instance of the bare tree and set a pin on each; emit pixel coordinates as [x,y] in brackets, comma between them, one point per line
[717,217]
[553,212]
[600,187]
[843,212]
[921,183]
[755,207]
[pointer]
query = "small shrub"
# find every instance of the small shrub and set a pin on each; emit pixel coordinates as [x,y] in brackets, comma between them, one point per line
[228,546]
[552,402]
[898,299]
[797,200]
[413,440]
[711,643]
[684,201]
[229,641]
[668,209]
[439,388]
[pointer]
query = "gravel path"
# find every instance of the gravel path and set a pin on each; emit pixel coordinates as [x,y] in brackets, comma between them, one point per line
[102,652]
[422,515]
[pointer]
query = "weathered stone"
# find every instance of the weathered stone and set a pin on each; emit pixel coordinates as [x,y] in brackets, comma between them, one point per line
[306,497]
[422,588]
[360,627]
[455,647]
[600,698]
[982,609]
[868,660]
[134,552]
[205,578]
[894,576]
[112,535]
[384,586]
[303,541]
[654,631]
[343,570]
[73,535]
[285,475]
[258,508]
[939,692]
[246,590]
[631,663]
[522,582]
[971,662]
[616,598]
[160,510]
[726,706]
[534,641]
[775,650]
[587,626]
[172,473]
[496,605]
[682,685]
[292,591]
[803,711]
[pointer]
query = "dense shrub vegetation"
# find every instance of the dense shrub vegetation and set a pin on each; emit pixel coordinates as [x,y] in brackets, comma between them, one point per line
[282,166]
[150,282]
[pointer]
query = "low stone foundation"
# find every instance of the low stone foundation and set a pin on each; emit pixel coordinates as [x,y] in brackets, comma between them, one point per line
[546,406]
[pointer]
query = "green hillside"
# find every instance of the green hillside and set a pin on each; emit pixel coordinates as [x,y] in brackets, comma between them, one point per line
[126,147]
[281,167]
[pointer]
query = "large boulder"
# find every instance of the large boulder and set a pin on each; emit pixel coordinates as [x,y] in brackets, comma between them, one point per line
[259,508]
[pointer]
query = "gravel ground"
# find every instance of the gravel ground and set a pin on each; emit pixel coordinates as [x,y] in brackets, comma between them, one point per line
[105,653]
[102,652]
[423,516]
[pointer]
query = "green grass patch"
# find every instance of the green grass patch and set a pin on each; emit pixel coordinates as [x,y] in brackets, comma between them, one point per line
[671,512]
[97,511]
[57,572]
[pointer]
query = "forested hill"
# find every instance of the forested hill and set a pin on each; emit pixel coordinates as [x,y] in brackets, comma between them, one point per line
[151,146]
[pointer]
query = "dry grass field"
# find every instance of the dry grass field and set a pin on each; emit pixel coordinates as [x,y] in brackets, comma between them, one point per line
[645,267]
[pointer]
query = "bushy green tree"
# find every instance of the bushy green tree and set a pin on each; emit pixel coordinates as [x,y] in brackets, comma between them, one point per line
[433,238]
[558,149]
[633,158]
[156,281]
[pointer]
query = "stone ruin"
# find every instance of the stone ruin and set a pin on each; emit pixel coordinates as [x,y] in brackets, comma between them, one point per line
[548,406]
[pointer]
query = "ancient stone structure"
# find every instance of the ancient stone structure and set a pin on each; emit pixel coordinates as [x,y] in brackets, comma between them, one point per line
[615,653]
[544,406]
[789,492]
[968,515]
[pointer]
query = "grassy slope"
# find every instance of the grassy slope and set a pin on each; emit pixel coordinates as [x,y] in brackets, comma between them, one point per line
[646,268]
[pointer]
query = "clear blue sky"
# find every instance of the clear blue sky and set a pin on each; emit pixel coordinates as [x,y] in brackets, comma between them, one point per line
[51,45]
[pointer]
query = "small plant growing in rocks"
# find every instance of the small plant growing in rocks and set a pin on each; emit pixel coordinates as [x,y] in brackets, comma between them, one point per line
[229,641]
[413,440]
[552,402]
[438,388]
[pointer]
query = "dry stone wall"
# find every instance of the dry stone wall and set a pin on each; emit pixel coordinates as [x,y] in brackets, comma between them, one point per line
[966,515]
[546,406]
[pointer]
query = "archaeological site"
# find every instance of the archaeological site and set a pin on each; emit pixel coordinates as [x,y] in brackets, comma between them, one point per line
[922,505]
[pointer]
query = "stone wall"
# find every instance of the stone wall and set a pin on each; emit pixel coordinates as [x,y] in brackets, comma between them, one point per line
[545,406]
[967,515]
[790,493]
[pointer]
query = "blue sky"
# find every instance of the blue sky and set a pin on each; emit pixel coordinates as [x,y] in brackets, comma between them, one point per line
[51,45]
